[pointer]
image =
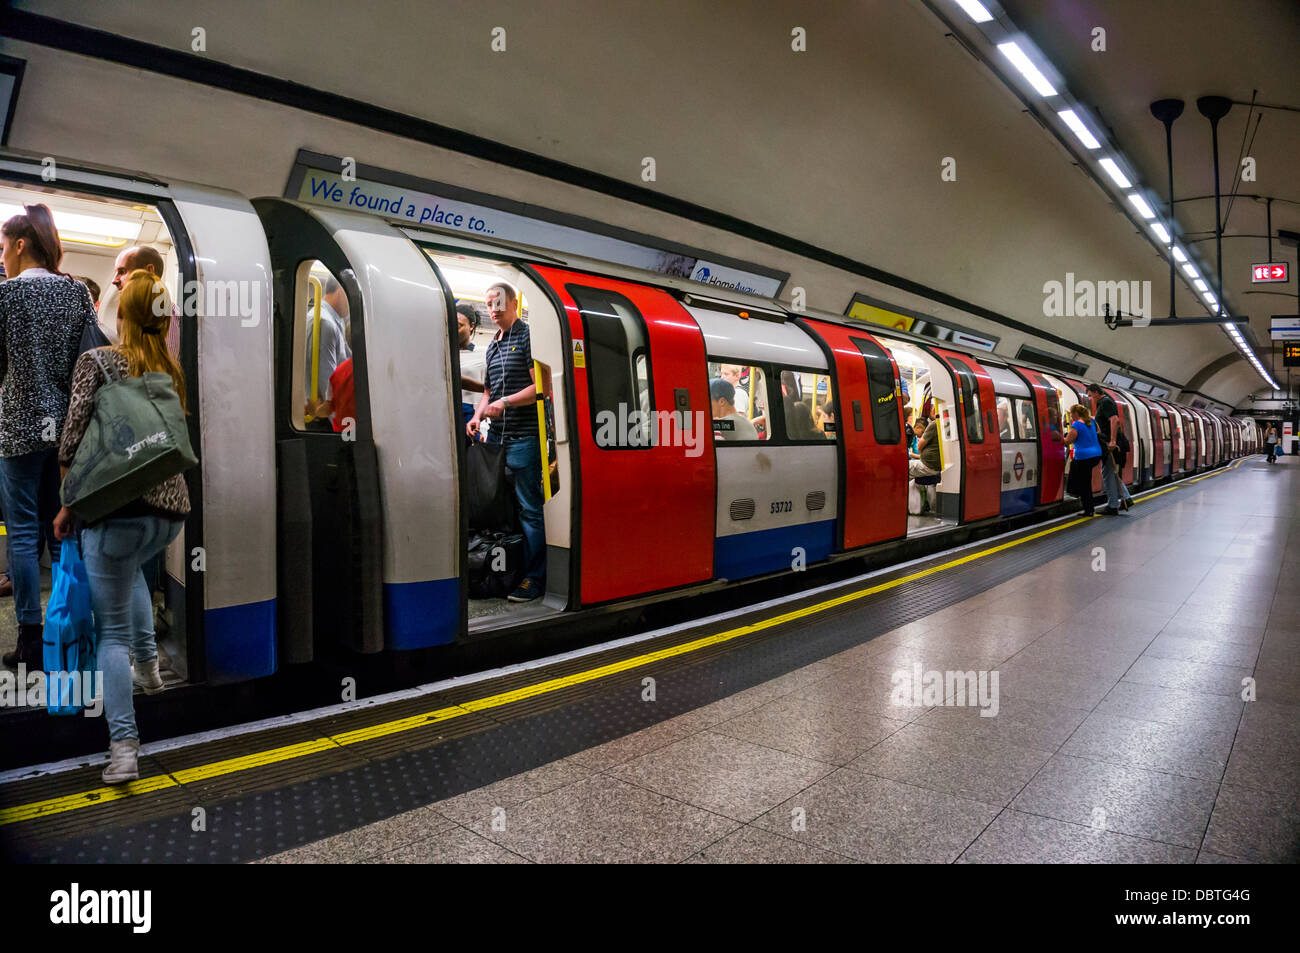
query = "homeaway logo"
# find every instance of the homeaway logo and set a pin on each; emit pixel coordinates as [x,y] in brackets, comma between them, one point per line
[933,689]
[1087,299]
[707,275]
[24,689]
[76,906]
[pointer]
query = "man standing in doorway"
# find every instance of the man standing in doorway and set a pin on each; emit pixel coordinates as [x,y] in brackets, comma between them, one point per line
[1110,429]
[509,399]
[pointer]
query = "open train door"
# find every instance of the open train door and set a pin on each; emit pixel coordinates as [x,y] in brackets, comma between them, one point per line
[1175,421]
[982,474]
[869,422]
[1130,428]
[1051,446]
[1081,390]
[646,515]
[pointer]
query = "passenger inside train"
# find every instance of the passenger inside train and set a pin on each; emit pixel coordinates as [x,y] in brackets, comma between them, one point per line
[103,241]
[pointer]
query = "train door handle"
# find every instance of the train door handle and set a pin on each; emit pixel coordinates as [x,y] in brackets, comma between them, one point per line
[682,404]
[857,415]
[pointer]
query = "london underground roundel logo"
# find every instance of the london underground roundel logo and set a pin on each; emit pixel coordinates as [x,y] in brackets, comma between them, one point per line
[1019,465]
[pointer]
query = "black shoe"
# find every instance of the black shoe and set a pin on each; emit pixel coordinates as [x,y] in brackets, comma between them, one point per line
[1107,511]
[29,650]
[528,591]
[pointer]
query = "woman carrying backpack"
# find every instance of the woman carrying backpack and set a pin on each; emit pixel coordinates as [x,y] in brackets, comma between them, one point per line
[115,547]
[43,313]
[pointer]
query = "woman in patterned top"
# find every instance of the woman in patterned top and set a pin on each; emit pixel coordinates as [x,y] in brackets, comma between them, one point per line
[116,547]
[42,315]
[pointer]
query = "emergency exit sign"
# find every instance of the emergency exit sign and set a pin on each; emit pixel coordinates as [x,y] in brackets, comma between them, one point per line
[1273,271]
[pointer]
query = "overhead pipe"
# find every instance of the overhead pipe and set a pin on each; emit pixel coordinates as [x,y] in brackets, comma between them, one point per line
[1167,110]
[1215,108]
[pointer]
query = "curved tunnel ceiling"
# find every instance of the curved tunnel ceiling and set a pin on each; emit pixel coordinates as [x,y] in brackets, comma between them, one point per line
[841,145]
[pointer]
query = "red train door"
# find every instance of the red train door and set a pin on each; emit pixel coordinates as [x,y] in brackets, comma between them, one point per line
[869,423]
[1193,439]
[982,470]
[1126,422]
[646,513]
[1081,389]
[1159,438]
[1051,448]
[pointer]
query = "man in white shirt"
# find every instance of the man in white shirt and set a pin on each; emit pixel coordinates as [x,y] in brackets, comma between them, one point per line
[471,360]
[728,423]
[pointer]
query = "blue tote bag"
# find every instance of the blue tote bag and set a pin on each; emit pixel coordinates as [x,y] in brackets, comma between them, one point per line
[69,637]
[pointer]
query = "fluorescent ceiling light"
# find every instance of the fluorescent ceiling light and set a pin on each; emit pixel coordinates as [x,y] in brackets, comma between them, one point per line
[1116,176]
[1160,231]
[975,10]
[1071,119]
[90,225]
[1200,285]
[1179,254]
[1027,69]
[1190,269]
[1139,203]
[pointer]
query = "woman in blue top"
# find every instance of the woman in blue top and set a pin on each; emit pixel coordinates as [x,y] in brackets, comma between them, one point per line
[1082,434]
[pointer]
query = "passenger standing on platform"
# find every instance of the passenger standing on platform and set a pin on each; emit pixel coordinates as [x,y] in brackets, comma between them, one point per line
[42,315]
[1109,428]
[1271,439]
[1082,434]
[510,400]
[471,360]
[116,547]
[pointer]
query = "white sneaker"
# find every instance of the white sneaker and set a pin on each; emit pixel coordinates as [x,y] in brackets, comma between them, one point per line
[123,761]
[144,675]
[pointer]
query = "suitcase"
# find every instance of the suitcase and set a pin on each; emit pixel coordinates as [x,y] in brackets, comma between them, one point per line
[495,563]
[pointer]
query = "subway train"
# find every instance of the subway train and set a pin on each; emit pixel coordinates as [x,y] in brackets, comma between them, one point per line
[304,539]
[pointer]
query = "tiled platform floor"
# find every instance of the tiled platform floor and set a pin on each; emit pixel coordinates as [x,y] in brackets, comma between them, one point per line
[1121,735]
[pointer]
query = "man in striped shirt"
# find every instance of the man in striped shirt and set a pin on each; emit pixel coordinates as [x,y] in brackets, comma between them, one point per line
[509,400]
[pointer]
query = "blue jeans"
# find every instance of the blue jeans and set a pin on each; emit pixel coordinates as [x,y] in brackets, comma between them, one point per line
[30,487]
[524,458]
[1116,491]
[114,552]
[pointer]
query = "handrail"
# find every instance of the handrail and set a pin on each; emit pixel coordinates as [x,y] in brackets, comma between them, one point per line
[317,294]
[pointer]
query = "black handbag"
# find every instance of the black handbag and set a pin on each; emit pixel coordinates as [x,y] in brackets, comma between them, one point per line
[491,499]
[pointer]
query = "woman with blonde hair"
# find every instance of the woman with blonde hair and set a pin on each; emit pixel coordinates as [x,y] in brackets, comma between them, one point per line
[1082,435]
[117,546]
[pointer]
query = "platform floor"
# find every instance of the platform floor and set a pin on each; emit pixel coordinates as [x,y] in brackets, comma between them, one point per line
[1122,646]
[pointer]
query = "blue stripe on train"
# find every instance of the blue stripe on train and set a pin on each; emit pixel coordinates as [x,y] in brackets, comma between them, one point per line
[240,641]
[420,614]
[770,550]
[1017,501]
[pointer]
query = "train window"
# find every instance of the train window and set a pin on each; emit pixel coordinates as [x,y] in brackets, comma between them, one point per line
[800,401]
[738,402]
[883,388]
[1025,420]
[323,400]
[970,402]
[1005,429]
[618,369]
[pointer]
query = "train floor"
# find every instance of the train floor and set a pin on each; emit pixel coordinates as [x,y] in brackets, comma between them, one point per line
[1133,697]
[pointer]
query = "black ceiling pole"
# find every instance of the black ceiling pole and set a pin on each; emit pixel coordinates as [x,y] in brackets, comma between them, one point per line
[1268,212]
[1215,108]
[1167,110]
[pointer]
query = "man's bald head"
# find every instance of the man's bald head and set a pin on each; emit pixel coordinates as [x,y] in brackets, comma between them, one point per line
[137,256]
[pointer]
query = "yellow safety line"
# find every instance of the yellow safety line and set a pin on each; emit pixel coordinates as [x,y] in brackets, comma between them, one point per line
[72,802]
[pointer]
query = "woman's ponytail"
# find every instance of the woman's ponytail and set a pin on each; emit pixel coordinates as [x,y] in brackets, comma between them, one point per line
[36,228]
